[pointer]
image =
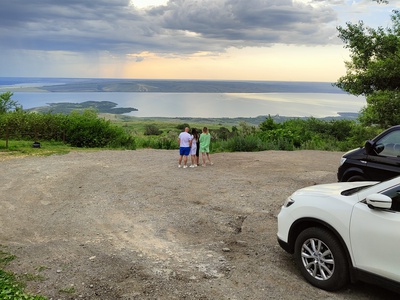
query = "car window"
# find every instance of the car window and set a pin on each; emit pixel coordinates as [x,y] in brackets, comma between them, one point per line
[390,143]
[394,193]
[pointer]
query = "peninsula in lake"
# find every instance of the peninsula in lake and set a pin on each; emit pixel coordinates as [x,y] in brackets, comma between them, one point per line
[106,107]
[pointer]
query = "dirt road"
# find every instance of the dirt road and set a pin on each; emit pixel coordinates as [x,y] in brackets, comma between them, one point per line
[131,225]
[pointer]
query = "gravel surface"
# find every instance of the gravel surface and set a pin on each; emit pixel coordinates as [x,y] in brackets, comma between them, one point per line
[131,225]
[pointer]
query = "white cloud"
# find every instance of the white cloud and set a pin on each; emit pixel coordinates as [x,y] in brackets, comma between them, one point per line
[147,3]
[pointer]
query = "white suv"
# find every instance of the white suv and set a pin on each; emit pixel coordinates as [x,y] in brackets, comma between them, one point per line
[343,232]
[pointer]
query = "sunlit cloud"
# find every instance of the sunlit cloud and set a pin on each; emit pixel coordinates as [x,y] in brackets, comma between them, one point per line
[76,37]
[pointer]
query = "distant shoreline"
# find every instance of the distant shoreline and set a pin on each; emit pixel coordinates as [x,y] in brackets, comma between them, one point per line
[22,90]
[76,85]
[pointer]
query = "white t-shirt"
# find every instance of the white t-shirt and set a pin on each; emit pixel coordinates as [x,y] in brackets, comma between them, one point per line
[184,138]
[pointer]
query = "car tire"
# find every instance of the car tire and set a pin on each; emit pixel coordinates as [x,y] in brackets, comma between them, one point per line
[321,259]
[356,178]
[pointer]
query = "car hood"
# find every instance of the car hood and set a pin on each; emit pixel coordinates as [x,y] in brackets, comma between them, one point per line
[332,188]
[351,152]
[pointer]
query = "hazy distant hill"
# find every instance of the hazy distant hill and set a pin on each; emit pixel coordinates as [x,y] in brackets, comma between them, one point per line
[191,86]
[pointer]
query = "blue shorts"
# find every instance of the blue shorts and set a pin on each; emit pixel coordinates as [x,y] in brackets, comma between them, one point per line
[184,151]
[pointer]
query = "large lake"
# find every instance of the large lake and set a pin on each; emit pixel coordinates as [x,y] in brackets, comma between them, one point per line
[209,105]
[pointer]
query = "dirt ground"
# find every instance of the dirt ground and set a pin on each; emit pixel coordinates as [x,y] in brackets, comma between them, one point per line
[131,225]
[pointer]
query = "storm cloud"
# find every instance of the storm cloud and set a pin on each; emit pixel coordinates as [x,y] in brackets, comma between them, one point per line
[181,27]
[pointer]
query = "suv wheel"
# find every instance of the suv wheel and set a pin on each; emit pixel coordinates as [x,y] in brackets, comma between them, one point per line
[321,259]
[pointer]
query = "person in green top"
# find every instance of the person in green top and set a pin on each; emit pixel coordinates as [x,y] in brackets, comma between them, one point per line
[205,139]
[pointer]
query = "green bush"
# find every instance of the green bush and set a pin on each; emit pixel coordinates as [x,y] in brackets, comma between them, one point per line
[167,142]
[87,130]
[77,129]
[248,143]
[222,133]
[315,134]
[182,127]
[152,129]
[311,134]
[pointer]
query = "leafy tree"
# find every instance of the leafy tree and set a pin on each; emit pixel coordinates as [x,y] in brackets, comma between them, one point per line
[383,109]
[246,129]
[182,126]
[374,69]
[6,103]
[222,133]
[268,124]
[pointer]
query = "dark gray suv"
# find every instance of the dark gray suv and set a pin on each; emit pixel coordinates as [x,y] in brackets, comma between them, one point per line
[378,160]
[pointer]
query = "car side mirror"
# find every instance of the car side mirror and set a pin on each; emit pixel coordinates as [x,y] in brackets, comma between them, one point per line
[379,201]
[373,148]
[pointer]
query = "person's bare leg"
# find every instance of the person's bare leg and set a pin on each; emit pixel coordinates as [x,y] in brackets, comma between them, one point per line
[209,158]
[203,155]
[180,161]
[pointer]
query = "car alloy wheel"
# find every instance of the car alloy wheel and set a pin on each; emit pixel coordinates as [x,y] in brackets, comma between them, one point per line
[317,259]
[321,259]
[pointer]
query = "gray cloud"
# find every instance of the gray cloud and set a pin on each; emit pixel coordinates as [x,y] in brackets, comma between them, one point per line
[179,27]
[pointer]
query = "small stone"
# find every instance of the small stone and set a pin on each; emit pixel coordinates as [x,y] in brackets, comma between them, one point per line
[241,243]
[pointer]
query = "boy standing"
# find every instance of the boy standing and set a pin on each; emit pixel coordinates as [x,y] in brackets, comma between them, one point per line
[184,141]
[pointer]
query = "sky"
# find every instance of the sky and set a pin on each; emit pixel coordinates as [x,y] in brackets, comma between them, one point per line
[279,40]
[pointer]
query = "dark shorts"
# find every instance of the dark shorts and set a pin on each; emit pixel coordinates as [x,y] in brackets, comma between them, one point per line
[184,151]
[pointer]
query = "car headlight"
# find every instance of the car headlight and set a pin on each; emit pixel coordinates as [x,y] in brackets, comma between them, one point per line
[289,201]
[342,160]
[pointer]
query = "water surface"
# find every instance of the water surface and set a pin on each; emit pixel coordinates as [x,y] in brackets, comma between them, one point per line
[209,105]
